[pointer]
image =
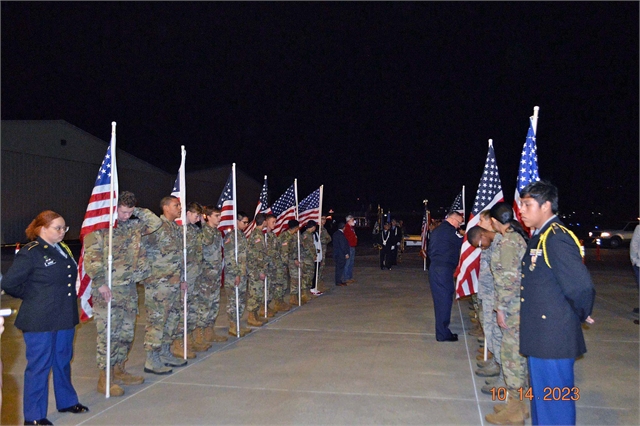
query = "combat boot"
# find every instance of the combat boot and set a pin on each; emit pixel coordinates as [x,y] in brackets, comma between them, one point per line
[476,331]
[511,414]
[254,320]
[233,330]
[210,335]
[281,306]
[481,357]
[306,296]
[270,313]
[177,349]
[122,377]
[293,300]
[154,365]
[199,343]
[114,389]
[490,370]
[525,408]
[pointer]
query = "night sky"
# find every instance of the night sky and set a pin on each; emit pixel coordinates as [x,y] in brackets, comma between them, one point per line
[387,103]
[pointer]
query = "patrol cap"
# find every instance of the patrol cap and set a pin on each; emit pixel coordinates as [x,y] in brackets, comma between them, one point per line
[293,224]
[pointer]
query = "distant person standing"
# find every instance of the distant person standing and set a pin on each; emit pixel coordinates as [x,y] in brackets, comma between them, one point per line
[44,276]
[634,252]
[557,295]
[386,245]
[396,242]
[352,239]
[444,252]
[340,253]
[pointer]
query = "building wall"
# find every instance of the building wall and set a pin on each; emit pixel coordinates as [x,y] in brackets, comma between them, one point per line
[39,172]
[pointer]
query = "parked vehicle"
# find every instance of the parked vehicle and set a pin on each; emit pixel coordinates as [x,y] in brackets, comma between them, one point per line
[614,237]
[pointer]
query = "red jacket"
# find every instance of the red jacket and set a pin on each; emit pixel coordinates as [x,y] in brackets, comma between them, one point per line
[352,238]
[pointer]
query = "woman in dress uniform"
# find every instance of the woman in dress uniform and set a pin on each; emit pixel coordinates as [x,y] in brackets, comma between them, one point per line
[44,275]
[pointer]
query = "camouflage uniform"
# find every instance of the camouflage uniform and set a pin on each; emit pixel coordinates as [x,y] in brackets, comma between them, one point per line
[194,272]
[307,260]
[274,284]
[289,256]
[506,269]
[162,287]
[211,278]
[128,267]
[258,262]
[325,239]
[281,278]
[235,269]
[486,298]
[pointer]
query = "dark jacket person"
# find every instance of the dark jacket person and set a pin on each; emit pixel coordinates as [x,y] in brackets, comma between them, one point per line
[444,252]
[44,276]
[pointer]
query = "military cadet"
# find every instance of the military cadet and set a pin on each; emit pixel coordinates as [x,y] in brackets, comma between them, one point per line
[129,266]
[236,273]
[163,288]
[556,297]
[279,276]
[290,245]
[485,239]
[325,239]
[211,278]
[271,241]
[258,267]
[505,267]
[307,259]
[195,337]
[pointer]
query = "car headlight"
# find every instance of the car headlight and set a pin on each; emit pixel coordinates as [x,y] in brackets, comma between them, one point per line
[605,234]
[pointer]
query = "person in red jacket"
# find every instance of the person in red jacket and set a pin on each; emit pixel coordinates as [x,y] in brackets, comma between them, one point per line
[352,238]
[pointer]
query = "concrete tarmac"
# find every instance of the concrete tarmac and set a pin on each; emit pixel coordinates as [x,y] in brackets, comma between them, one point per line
[363,354]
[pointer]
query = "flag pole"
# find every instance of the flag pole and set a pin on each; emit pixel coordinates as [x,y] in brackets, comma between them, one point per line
[424,231]
[295,183]
[183,217]
[235,231]
[464,209]
[266,278]
[110,260]
[319,231]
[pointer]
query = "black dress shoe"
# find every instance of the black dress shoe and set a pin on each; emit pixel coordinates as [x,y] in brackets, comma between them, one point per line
[44,421]
[453,338]
[75,409]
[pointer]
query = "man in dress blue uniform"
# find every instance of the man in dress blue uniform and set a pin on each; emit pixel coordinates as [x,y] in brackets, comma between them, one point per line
[444,251]
[556,297]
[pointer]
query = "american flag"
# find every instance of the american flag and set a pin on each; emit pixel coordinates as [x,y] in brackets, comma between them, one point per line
[489,193]
[458,205]
[179,190]
[262,207]
[309,208]
[97,217]
[424,235]
[226,206]
[528,171]
[284,209]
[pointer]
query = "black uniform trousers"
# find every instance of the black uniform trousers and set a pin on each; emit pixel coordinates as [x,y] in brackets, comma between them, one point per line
[442,290]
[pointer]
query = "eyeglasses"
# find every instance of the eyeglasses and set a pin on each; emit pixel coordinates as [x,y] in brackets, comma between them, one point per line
[246,222]
[64,229]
